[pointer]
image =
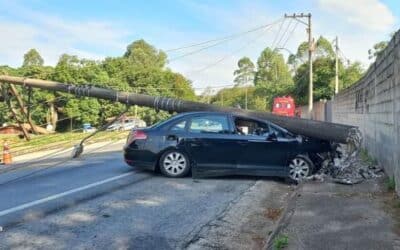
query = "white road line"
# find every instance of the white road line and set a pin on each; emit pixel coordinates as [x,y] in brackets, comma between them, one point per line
[57,196]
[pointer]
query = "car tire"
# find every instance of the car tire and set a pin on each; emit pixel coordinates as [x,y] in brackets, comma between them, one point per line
[300,167]
[174,164]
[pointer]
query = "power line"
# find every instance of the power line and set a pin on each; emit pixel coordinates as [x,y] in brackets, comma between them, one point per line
[39,103]
[222,38]
[284,33]
[232,53]
[278,34]
[220,42]
[344,56]
[290,35]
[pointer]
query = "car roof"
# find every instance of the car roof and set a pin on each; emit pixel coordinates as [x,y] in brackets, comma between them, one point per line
[226,113]
[219,113]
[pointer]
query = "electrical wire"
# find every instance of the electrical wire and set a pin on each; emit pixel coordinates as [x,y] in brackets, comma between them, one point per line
[278,34]
[248,43]
[290,35]
[218,43]
[284,33]
[222,38]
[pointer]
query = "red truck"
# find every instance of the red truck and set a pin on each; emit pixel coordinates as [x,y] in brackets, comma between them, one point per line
[285,106]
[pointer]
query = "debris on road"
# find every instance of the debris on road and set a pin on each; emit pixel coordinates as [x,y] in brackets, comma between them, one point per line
[345,165]
[346,168]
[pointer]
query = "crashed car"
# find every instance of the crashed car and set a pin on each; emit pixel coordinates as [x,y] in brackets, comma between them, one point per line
[222,143]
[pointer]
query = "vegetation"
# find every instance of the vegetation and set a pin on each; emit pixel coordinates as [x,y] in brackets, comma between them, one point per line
[272,76]
[141,69]
[281,242]
[57,141]
[391,183]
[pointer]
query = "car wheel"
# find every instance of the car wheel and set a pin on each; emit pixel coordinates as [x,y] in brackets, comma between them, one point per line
[174,163]
[300,167]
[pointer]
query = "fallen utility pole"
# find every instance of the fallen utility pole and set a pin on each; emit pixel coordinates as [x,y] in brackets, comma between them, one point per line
[311,128]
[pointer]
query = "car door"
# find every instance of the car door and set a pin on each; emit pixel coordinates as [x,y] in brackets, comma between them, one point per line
[212,146]
[266,153]
[175,134]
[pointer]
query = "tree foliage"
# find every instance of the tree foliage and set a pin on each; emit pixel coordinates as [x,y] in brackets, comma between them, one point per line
[377,49]
[275,77]
[245,72]
[323,73]
[141,69]
[32,58]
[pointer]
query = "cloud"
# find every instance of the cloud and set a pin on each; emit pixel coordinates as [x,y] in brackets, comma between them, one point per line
[53,36]
[367,14]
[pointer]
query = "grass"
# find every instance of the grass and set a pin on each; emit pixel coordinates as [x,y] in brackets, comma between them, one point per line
[56,141]
[391,183]
[281,242]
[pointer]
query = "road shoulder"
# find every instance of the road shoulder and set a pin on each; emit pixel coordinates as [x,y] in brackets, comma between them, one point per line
[246,221]
[332,216]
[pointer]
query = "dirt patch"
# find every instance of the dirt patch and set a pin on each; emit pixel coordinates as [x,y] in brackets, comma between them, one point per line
[273,213]
[392,206]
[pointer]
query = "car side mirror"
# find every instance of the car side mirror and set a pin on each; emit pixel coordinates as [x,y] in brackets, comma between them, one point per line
[272,137]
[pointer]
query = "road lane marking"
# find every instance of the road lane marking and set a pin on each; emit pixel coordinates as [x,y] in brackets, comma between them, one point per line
[60,195]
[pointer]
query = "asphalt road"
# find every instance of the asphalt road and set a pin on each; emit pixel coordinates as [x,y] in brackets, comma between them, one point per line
[100,202]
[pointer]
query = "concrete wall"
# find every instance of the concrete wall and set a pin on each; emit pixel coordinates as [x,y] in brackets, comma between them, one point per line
[322,111]
[373,104]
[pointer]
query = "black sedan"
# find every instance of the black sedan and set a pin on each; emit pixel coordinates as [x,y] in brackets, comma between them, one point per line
[216,143]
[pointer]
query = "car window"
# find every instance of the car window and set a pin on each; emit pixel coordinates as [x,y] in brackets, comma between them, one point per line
[179,126]
[281,133]
[209,124]
[245,126]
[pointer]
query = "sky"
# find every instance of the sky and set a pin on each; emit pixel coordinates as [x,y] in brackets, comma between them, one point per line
[98,29]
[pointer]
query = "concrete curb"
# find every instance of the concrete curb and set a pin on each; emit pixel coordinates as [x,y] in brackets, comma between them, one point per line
[285,218]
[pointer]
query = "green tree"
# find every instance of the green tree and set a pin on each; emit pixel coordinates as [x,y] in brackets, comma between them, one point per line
[245,72]
[273,77]
[272,69]
[377,49]
[32,58]
[323,73]
[141,69]
[350,74]
[143,54]
[236,97]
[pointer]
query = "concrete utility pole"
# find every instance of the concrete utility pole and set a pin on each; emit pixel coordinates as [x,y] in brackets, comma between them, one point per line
[336,65]
[310,54]
[311,128]
[245,104]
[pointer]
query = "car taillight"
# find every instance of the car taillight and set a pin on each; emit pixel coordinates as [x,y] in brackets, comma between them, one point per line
[136,135]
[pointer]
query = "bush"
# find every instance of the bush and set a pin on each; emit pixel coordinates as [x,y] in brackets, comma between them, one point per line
[281,242]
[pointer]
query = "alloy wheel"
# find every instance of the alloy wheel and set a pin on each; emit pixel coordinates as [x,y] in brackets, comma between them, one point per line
[299,168]
[174,163]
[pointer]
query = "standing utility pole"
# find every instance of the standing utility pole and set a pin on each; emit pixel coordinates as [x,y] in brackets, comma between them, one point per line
[336,65]
[299,17]
[245,104]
